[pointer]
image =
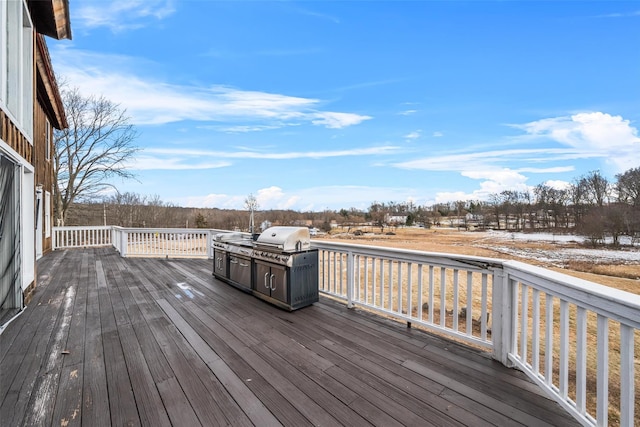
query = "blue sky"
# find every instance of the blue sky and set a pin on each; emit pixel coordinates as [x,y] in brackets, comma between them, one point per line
[337,104]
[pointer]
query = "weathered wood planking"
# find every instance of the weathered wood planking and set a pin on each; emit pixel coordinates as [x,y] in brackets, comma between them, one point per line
[136,341]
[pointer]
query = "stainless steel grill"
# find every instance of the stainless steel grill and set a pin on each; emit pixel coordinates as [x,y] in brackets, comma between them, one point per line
[232,259]
[279,266]
[284,239]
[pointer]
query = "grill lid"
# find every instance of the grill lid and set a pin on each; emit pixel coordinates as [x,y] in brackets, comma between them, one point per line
[286,239]
[227,237]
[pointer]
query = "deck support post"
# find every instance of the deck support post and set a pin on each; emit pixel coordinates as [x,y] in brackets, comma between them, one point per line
[501,327]
[350,279]
[209,244]
[124,241]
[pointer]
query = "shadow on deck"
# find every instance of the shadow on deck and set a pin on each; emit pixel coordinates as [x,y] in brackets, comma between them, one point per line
[114,341]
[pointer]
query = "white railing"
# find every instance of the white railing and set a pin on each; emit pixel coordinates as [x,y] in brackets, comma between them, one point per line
[563,328]
[579,341]
[164,242]
[149,242]
[449,294]
[592,332]
[82,237]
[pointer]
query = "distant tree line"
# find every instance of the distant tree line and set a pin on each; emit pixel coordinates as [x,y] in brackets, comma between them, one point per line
[135,210]
[591,205]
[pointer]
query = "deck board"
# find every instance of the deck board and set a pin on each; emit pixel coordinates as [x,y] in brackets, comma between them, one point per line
[134,341]
[95,401]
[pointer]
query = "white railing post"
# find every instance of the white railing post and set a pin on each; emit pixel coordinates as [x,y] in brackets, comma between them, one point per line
[350,279]
[627,386]
[502,307]
[209,244]
[115,236]
[53,239]
[124,242]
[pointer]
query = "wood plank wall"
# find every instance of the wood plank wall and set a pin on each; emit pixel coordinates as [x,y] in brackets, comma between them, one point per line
[10,133]
[43,166]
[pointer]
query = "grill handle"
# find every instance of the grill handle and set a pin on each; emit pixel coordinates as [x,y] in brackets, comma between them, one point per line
[269,245]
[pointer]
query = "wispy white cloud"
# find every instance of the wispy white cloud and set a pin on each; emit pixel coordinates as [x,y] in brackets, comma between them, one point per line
[289,52]
[593,135]
[149,101]
[268,198]
[320,15]
[189,159]
[237,54]
[580,136]
[307,199]
[407,112]
[437,134]
[334,120]
[493,181]
[244,128]
[597,134]
[413,135]
[558,169]
[121,15]
[483,160]
[176,158]
[558,184]
[364,85]
[150,162]
[276,196]
[620,14]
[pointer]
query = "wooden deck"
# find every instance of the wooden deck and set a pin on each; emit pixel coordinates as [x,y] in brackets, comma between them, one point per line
[131,341]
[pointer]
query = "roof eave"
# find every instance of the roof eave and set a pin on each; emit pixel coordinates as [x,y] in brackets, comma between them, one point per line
[51,18]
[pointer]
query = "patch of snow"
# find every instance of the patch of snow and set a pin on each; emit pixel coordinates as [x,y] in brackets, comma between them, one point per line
[536,237]
[551,237]
[603,254]
[562,255]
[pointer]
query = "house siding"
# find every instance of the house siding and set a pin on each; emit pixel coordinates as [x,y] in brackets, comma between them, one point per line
[26,127]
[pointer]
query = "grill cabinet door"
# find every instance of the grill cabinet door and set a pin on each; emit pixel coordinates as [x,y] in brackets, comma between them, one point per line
[263,273]
[271,280]
[240,270]
[278,283]
[220,259]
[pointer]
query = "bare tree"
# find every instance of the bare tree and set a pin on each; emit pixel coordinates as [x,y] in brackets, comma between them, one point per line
[597,188]
[251,204]
[92,150]
[628,187]
[377,214]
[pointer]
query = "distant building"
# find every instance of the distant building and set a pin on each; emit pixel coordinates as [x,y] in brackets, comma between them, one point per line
[30,107]
[395,219]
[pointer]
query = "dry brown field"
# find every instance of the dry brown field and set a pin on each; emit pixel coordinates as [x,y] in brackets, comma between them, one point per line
[621,274]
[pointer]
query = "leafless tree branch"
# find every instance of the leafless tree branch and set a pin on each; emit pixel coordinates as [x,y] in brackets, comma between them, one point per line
[94,149]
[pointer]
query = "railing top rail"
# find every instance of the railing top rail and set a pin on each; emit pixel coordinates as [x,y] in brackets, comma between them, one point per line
[88,227]
[449,260]
[167,230]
